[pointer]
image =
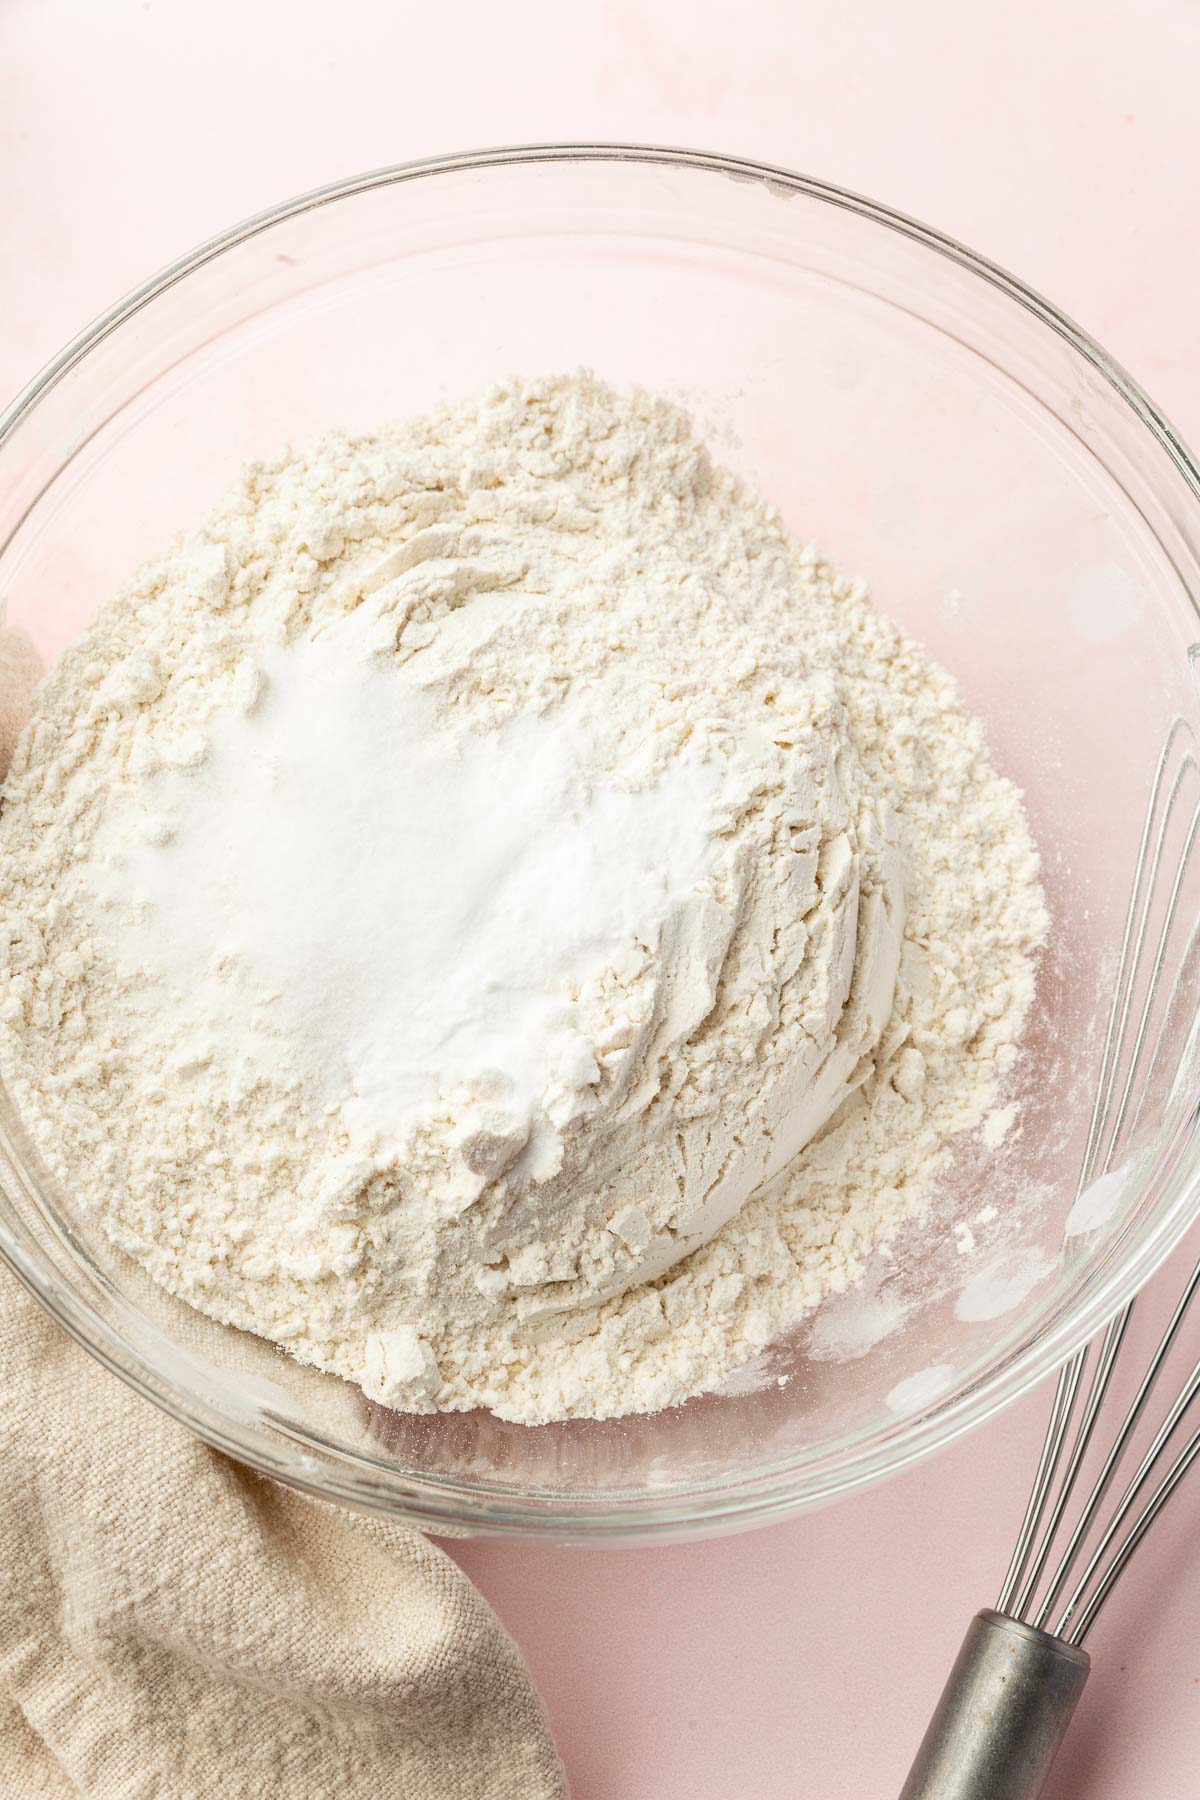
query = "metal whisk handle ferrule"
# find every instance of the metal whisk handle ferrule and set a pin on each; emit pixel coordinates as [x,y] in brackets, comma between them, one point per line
[1002,1714]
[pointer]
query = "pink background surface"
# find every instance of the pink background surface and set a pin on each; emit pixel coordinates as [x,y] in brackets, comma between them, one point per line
[1061,138]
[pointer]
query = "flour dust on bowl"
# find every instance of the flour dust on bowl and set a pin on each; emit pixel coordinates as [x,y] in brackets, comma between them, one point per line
[1020,511]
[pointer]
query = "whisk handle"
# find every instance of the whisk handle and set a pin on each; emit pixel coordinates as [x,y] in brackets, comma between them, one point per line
[1002,1714]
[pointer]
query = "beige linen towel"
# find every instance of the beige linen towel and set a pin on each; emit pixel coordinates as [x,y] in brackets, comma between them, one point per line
[173,1627]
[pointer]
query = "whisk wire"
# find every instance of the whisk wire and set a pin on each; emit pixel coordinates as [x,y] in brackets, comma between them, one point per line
[1113,1339]
[1161,1438]
[1126,1035]
[1164,938]
[1064,1400]
[1153,1507]
[1118,1016]
[1056,1430]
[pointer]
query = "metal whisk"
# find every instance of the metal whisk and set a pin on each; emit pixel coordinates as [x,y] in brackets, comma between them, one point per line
[1022,1666]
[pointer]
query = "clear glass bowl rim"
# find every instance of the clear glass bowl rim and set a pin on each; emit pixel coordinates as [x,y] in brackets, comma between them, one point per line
[435,1503]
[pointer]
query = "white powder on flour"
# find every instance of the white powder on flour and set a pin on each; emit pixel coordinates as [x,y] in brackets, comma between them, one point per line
[494,914]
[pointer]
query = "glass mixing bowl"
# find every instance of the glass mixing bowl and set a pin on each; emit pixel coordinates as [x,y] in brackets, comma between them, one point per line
[1014,500]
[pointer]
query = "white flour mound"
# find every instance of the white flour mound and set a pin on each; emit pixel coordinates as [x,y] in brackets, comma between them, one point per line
[494,914]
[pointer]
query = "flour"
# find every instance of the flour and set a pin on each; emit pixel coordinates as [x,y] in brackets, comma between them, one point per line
[495,915]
